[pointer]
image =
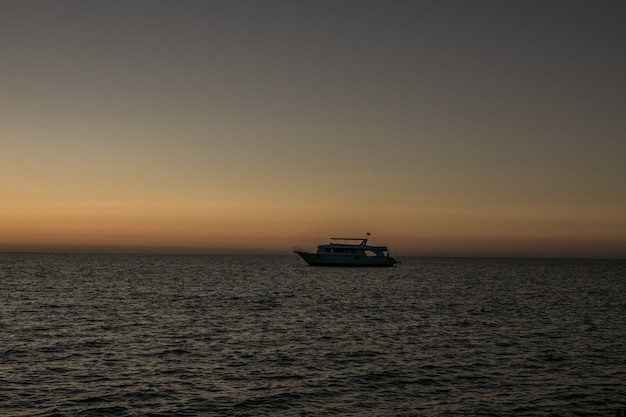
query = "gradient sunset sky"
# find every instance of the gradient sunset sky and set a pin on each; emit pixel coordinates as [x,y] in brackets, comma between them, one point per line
[492,128]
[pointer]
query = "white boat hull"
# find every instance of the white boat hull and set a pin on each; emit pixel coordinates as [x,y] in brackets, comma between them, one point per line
[316,259]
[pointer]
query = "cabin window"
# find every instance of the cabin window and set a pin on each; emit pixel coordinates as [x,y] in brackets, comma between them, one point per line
[370,253]
[340,250]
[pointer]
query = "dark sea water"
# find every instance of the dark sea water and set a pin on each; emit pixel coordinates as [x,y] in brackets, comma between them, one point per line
[122,335]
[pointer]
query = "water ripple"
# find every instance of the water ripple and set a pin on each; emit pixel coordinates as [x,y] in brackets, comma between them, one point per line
[234,336]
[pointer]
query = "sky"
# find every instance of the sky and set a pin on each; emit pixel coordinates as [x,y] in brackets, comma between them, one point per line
[444,128]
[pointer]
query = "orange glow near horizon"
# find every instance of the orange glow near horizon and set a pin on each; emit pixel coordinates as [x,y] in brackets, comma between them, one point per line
[266,227]
[247,130]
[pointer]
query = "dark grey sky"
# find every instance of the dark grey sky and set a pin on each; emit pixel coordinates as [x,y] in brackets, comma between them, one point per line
[488,120]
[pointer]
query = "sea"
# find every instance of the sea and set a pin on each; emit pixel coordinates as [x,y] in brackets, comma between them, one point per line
[195,335]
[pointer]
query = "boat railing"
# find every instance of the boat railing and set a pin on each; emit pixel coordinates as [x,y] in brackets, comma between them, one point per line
[346,240]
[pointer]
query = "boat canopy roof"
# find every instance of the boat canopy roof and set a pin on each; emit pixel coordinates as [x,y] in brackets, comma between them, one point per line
[363,240]
[363,243]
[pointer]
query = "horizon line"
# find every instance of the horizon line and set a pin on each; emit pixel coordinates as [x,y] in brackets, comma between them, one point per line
[190,253]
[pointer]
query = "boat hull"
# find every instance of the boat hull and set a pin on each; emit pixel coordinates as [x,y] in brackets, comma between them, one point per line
[315,259]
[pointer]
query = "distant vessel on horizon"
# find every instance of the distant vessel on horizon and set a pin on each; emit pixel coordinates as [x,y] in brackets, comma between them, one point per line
[341,253]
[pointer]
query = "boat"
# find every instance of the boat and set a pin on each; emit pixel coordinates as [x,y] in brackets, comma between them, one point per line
[341,252]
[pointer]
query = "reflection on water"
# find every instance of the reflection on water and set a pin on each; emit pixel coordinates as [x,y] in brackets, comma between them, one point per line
[207,335]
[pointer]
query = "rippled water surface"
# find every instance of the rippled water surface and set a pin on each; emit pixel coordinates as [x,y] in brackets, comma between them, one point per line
[125,335]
